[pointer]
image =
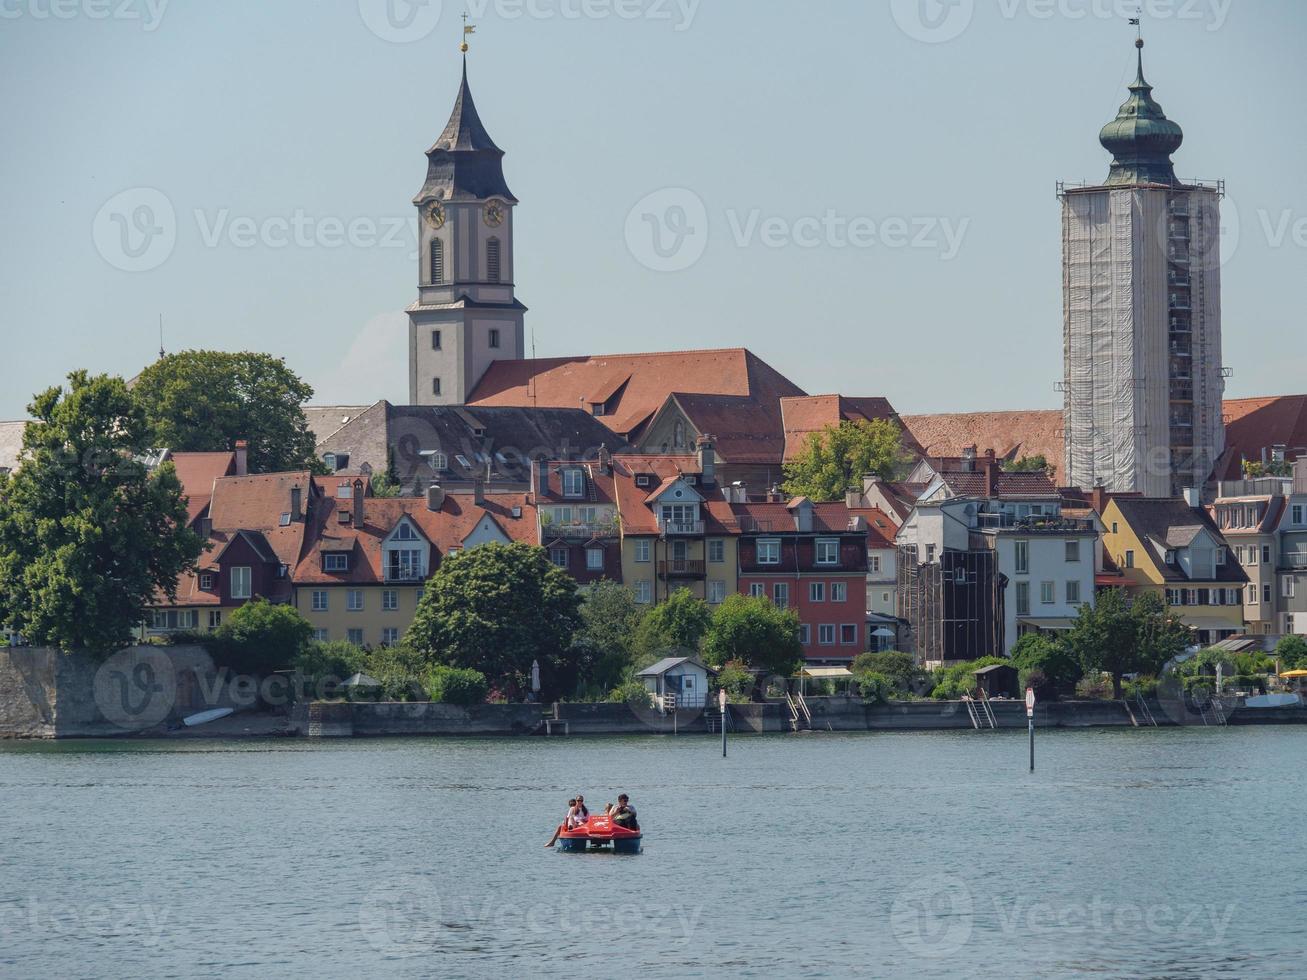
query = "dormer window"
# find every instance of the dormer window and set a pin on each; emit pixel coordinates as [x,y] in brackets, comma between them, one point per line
[828,551]
[1220,556]
[642,480]
[206,582]
[573,483]
[1170,557]
[404,532]
[335,562]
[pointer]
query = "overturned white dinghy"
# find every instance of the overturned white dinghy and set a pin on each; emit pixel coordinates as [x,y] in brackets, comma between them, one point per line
[204,717]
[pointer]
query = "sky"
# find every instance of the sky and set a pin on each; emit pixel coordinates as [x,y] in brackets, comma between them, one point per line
[862,193]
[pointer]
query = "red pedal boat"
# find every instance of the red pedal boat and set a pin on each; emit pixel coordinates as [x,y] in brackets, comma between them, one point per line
[599,833]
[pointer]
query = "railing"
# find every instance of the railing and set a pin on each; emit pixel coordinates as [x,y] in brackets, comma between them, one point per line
[586,531]
[1048,525]
[405,573]
[680,527]
[681,568]
[1294,560]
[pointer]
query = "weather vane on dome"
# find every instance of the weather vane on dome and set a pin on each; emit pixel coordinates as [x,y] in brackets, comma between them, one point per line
[1137,22]
[468,29]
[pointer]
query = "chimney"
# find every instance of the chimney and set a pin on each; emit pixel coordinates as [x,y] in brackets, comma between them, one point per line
[242,457]
[435,498]
[479,494]
[296,496]
[991,471]
[1193,497]
[707,460]
[969,459]
[358,502]
[1098,499]
[852,499]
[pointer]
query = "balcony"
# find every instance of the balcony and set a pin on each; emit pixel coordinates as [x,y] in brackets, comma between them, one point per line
[681,568]
[405,573]
[1034,524]
[1294,561]
[680,528]
[578,532]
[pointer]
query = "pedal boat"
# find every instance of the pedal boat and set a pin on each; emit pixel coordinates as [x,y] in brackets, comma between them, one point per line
[599,833]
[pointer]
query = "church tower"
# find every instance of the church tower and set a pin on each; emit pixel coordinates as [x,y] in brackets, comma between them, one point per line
[1141,263]
[466,316]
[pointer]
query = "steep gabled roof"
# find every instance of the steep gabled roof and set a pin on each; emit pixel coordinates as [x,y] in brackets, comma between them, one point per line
[802,416]
[1170,524]
[197,473]
[1012,435]
[1255,426]
[566,382]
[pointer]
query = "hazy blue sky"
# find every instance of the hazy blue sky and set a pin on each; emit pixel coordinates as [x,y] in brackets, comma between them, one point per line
[956,119]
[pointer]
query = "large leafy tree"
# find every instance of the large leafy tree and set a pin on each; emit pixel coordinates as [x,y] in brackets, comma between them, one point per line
[1054,660]
[1292,651]
[1123,637]
[261,637]
[677,625]
[751,630]
[203,401]
[838,457]
[610,617]
[88,535]
[496,609]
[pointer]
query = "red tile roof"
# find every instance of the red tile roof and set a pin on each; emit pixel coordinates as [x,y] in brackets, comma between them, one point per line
[198,472]
[1011,435]
[445,529]
[1254,426]
[635,386]
[805,415]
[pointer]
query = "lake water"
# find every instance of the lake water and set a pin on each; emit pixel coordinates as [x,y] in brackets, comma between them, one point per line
[1175,853]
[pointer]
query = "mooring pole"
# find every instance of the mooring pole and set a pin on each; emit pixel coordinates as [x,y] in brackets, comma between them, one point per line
[1030,721]
[721,702]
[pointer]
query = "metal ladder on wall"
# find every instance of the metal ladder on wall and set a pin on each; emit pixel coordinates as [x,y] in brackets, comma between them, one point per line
[988,709]
[1218,711]
[971,710]
[803,709]
[1145,712]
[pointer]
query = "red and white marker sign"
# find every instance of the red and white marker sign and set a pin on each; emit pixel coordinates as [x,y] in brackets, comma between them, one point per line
[1030,702]
[721,699]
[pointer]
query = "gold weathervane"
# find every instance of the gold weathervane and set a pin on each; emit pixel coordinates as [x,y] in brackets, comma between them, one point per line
[468,29]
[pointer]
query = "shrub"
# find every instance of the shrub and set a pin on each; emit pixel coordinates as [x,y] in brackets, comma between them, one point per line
[1096,686]
[953,682]
[737,680]
[260,637]
[1143,686]
[1035,679]
[457,685]
[900,668]
[1292,651]
[633,693]
[1053,660]
[400,670]
[873,686]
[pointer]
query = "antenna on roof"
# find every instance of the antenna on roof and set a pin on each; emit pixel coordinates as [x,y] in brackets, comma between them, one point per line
[535,391]
[161,354]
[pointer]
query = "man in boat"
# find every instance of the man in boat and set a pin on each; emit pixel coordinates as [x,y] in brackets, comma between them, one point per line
[624,814]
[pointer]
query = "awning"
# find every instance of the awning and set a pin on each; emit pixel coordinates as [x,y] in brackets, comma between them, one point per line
[1049,623]
[826,672]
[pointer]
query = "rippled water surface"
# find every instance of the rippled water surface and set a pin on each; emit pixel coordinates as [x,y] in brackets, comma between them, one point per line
[1129,853]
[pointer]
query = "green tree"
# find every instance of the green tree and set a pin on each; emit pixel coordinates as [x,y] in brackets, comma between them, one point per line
[203,401]
[1029,464]
[900,669]
[88,536]
[1055,662]
[456,685]
[838,457]
[610,619]
[496,609]
[677,624]
[261,637]
[752,630]
[1121,637]
[1292,652]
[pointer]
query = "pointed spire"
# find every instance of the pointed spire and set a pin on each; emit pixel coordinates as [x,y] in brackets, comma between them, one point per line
[464,162]
[1141,139]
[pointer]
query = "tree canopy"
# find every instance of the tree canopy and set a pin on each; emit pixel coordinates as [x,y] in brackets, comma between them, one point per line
[1029,464]
[837,458]
[1122,637]
[1054,660]
[610,618]
[88,535]
[1292,651]
[496,609]
[204,401]
[261,637]
[677,624]
[751,630]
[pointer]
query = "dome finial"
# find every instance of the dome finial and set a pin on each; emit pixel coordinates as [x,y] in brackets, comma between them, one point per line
[1141,139]
[468,29]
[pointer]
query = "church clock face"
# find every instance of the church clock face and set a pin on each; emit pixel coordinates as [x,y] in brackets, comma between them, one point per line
[434,213]
[494,214]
